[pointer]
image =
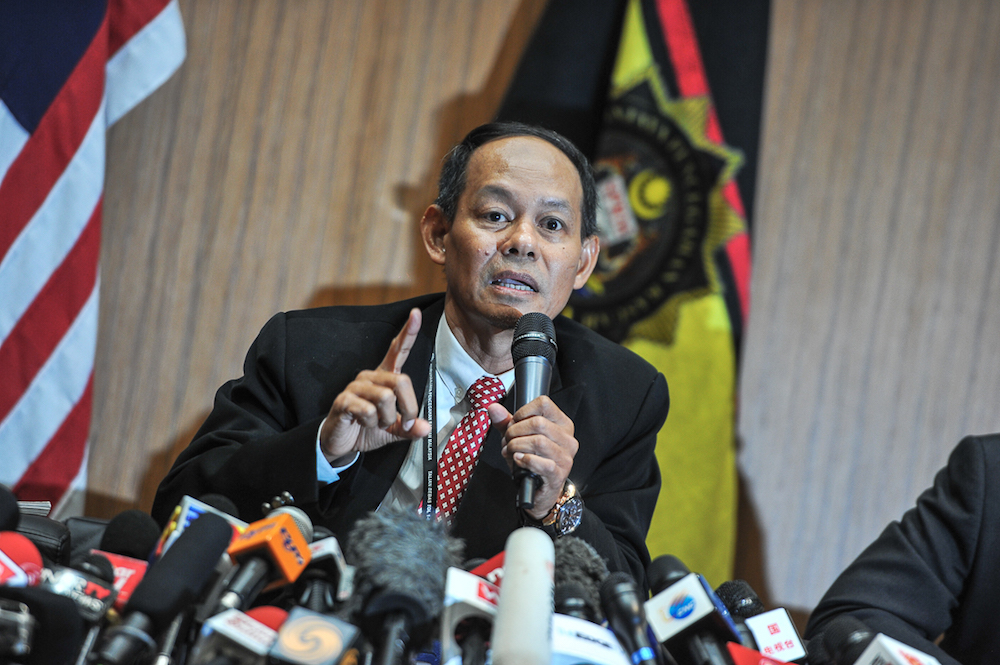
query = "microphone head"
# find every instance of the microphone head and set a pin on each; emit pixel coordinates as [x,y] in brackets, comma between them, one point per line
[10,516]
[534,335]
[131,533]
[221,502]
[99,566]
[400,554]
[578,563]
[23,553]
[740,599]
[299,517]
[664,571]
[845,639]
[183,572]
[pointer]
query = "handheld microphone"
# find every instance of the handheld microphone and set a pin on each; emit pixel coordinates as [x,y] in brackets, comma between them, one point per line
[187,512]
[169,586]
[272,552]
[772,633]
[686,615]
[321,585]
[90,586]
[402,562]
[20,561]
[470,605]
[522,632]
[130,533]
[848,641]
[623,607]
[534,352]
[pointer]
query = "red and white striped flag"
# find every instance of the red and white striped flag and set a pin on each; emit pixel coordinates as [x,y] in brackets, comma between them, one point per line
[68,70]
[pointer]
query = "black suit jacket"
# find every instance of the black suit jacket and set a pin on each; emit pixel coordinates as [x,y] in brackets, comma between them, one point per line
[938,569]
[260,438]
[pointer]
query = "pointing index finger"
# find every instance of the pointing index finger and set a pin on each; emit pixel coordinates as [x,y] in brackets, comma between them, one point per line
[399,350]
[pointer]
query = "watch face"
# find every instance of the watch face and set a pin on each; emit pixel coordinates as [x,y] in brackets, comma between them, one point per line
[570,515]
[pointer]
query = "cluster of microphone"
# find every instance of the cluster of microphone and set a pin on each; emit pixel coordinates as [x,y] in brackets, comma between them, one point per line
[211,589]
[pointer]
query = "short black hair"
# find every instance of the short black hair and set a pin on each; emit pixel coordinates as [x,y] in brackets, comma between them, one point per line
[455,168]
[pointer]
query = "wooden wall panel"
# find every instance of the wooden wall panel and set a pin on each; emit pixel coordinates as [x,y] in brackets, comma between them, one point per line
[872,345]
[285,165]
[288,161]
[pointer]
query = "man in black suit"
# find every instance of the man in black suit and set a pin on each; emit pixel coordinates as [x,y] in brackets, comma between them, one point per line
[327,414]
[936,572]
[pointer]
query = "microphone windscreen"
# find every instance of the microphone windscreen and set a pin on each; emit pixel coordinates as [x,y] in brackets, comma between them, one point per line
[740,599]
[401,551]
[578,562]
[9,513]
[130,533]
[179,577]
[664,571]
[221,502]
[845,638]
[60,629]
[534,335]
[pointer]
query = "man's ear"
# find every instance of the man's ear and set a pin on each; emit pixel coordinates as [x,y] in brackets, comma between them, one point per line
[433,229]
[588,260]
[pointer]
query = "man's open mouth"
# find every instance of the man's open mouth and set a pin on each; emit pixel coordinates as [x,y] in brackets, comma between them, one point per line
[516,284]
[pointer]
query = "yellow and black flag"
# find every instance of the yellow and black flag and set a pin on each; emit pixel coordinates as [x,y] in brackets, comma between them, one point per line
[646,87]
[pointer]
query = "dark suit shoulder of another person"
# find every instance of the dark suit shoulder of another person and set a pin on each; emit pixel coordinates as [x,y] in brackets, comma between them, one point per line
[937,570]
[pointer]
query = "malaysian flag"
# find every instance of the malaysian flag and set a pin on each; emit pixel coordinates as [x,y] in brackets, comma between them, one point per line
[68,70]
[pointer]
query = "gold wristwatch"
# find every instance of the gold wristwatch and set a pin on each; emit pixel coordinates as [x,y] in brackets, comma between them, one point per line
[567,513]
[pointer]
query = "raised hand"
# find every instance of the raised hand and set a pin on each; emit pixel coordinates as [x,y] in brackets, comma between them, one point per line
[379,406]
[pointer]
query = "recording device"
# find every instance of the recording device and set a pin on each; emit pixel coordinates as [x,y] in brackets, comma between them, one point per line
[848,641]
[623,606]
[401,564]
[169,586]
[522,631]
[686,616]
[534,352]
[311,638]
[271,552]
[470,606]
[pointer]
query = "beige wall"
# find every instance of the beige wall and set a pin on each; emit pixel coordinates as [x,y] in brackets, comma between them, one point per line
[287,163]
[873,341]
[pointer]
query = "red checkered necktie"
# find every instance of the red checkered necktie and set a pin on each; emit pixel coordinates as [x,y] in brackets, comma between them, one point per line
[460,455]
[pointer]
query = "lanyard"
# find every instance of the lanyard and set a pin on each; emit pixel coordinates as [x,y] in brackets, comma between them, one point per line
[429,503]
